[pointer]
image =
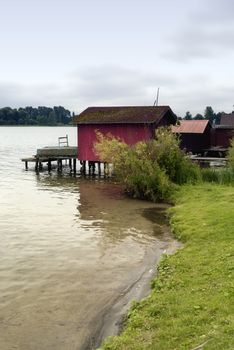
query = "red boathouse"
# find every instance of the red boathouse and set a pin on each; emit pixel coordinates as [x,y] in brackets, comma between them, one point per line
[130,124]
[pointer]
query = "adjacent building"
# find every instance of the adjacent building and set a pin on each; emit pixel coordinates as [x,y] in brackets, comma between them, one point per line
[195,135]
[222,134]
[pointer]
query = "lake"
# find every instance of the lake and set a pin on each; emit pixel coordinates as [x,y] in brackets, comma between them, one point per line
[73,251]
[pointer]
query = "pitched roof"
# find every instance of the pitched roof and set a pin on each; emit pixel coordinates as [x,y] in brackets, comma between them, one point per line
[114,115]
[190,127]
[227,119]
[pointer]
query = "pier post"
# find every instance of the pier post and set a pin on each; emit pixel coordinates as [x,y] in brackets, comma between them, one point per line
[49,165]
[89,165]
[105,168]
[74,165]
[70,164]
[26,165]
[93,167]
[84,167]
[99,168]
[59,165]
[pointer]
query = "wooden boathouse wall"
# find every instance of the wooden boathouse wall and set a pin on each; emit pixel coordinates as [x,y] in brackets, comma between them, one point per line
[129,133]
[221,135]
[130,124]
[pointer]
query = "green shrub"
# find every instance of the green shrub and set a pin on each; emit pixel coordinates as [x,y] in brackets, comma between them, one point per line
[149,169]
[210,175]
[223,176]
[231,155]
[173,160]
[136,167]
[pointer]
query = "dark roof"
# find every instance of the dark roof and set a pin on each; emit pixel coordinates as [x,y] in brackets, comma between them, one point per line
[114,115]
[227,119]
[190,127]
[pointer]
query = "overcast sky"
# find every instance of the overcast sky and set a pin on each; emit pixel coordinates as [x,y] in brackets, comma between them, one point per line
[80,53]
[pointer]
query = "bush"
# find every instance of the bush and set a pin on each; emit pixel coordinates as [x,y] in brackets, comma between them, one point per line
[149,169]
[172,159]
[231,155]
[222,176]
[136,168]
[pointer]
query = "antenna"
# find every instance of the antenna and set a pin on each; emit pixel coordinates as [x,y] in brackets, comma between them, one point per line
[156,101]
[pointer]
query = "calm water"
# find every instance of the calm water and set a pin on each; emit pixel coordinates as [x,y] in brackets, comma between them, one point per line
[69,247]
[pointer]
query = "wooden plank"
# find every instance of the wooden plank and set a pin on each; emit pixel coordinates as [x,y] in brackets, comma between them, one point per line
[209,159]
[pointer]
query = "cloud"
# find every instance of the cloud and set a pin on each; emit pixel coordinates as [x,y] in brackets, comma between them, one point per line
[112,85]
[206,32]
[96,85]
[196,98]
[19,95]
[116,85]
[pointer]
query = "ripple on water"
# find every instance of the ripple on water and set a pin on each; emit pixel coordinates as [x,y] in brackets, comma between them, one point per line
[69,247]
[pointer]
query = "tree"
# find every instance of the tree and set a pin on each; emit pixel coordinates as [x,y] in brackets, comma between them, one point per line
[198,116]
[209,114]
[35,116]
[188,116]
[218,117]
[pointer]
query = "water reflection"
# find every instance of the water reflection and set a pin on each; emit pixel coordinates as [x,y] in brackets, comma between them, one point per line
[103,207]
[69,247]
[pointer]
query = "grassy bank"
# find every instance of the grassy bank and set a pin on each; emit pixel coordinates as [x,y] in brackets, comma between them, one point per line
[192,298]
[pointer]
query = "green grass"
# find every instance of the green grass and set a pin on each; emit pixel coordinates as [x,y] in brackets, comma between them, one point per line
[223,176]
[192,298]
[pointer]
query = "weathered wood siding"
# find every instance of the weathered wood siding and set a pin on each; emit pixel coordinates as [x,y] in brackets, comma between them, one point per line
[129,133]
[222,137]
[195,143]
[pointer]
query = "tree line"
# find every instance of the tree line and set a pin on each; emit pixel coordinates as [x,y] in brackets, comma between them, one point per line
[209,114]
[35,116]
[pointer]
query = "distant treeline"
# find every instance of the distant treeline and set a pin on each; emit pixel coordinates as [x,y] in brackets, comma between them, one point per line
[209,114]
[35,116]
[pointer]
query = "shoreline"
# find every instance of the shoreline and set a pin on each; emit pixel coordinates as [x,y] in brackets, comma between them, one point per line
[191,304]
[113,315]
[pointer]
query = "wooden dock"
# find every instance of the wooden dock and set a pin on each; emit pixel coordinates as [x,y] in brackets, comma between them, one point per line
[49,155]
[210,161]
[58,157]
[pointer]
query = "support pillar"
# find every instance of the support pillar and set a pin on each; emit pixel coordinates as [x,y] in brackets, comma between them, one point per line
[74,165]
[89,165]
[70,164]
[99,168]
[84,167]
[59,165]
[105,169]
[49,165]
